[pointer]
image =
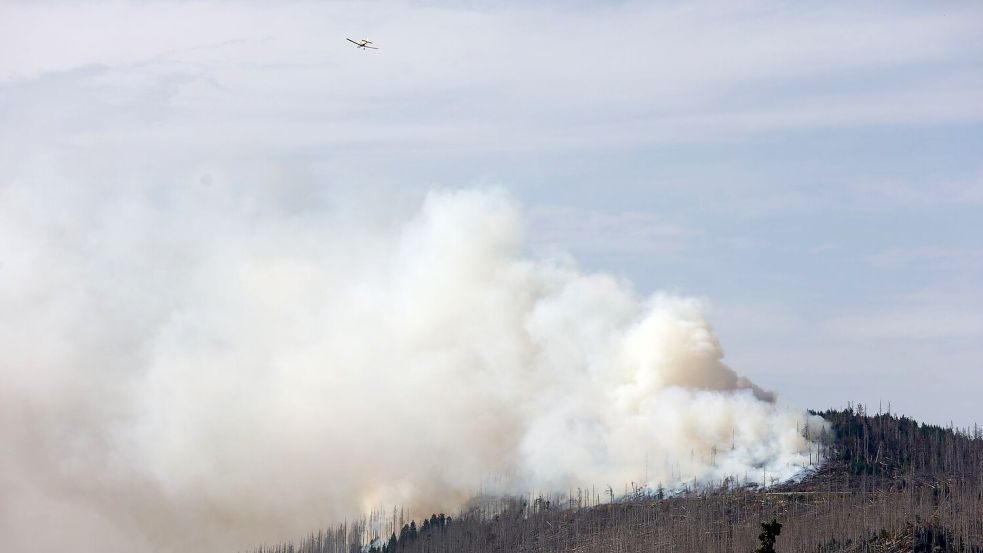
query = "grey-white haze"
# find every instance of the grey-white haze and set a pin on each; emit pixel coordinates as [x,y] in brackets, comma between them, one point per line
[210,212]
[191,368]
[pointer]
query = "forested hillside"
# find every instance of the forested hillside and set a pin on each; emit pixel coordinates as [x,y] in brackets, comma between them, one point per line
[887,484]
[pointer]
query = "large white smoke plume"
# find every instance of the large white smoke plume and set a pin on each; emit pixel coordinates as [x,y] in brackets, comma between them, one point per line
[185,368]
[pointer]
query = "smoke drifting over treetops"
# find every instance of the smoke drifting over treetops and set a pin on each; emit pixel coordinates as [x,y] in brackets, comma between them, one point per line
[204,367]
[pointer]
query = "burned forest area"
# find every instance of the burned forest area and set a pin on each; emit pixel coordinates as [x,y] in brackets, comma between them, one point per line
[886,484]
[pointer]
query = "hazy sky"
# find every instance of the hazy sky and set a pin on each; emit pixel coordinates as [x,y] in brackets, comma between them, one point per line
[815,170]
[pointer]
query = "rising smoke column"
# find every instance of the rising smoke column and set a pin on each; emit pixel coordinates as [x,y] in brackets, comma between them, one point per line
[211,367]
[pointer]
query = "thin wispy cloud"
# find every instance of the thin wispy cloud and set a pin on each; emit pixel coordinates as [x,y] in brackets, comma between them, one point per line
[936,258]
[909,323]
[497,79]
[600,232]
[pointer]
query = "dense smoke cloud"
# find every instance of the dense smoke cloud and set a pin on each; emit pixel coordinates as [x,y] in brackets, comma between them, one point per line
[213,366]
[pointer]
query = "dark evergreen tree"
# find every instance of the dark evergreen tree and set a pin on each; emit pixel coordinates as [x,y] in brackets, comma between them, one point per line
[404,534]
[770,531]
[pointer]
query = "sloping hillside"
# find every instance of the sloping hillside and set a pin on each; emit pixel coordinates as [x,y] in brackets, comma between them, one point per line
[889,484]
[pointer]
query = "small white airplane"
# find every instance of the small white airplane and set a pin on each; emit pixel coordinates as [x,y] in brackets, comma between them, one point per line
[362,43]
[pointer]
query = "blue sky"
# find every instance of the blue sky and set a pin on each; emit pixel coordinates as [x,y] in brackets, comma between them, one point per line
[815,170]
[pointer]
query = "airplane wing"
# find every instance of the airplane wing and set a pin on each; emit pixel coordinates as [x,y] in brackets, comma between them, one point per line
[372,47]
[353,42]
